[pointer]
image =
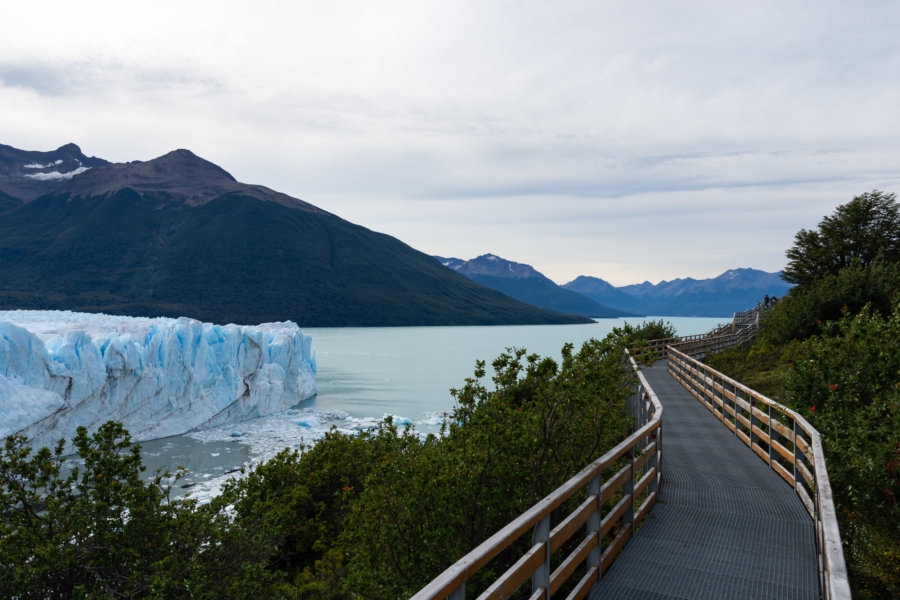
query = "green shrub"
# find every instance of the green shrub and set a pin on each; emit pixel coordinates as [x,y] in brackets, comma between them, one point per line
[504,450]
[629,334]
[804,310]
[103,531]
[762,365]
[846,382]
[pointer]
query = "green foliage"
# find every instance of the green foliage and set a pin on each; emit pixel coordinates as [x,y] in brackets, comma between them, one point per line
[300,504]
[633,337]
[846,382]
[762,365]
[805,309]
[658,329]
[504,449]
[858,233]
[388,510]
[103,531]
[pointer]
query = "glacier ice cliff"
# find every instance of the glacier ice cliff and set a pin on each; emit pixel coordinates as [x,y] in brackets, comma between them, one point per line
[159,377]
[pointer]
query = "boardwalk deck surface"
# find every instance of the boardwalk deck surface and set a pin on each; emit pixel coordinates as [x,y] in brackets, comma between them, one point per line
[725,525]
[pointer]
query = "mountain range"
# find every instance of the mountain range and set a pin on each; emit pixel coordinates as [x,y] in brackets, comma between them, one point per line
[732,291]
[179,236]
[524,283]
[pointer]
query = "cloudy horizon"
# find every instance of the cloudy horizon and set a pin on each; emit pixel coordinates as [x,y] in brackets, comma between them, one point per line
[619,140]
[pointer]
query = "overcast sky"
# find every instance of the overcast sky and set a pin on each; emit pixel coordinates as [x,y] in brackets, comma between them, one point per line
[626,140]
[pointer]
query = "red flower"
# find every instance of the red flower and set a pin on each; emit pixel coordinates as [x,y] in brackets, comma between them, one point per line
[832,387]
[346,488]
[812,408]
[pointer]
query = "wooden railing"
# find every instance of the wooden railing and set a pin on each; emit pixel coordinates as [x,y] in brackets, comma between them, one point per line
[614,505]
[742,329]
[747,317]
[787,442]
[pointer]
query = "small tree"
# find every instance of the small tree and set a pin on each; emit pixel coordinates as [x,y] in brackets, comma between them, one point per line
[860,232]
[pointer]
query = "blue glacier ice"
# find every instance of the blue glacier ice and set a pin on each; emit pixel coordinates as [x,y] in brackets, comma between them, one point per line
[160,377]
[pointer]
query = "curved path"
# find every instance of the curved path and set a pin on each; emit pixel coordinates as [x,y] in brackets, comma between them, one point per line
[725,526]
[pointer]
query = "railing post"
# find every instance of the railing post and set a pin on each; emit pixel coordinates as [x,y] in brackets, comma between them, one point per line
[659,436]
[735,407]
[708,384]
[796,453]
[771,416]
[636,406]
[593,526]
[752,420]
[639,411]
[628,488]
[541,577]
[645,415]
[459,593]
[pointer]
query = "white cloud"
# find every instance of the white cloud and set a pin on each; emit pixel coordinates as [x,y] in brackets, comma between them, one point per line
[557,134]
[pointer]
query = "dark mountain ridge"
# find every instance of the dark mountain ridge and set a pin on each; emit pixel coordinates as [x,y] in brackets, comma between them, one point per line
[179,236]
[524,283]
[732,291]
[180,174]
[26,174]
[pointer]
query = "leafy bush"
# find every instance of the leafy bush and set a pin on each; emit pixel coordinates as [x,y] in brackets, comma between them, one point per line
[504,450]
[805,309]
[629,334]
[762,365]
[104,531]
[846,382]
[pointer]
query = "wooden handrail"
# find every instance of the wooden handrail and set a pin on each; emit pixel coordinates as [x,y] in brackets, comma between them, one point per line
[743,328]
[624,516]
[787,442]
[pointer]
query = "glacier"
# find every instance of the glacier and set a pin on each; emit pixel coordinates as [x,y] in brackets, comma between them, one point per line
[158,376]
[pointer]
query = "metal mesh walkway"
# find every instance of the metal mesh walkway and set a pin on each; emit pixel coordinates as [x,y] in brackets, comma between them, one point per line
[725,525]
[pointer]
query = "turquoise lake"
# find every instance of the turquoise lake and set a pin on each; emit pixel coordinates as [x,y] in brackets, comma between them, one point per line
[364,374]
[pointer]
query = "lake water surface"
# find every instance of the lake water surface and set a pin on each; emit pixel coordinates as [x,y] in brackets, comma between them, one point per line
[364,374]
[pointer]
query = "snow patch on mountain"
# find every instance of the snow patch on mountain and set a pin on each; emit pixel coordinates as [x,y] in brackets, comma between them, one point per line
[56,175]
[159,377]
[39,166]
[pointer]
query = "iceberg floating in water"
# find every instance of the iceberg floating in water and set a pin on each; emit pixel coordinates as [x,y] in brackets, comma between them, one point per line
[159,377]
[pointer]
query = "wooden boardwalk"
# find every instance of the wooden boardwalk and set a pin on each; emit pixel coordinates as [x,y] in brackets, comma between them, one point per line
[725,526]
